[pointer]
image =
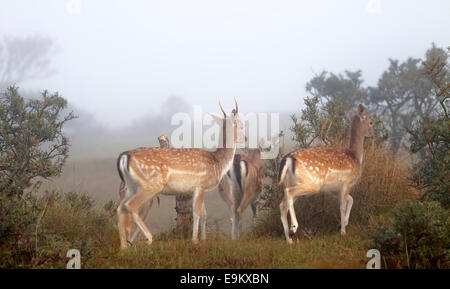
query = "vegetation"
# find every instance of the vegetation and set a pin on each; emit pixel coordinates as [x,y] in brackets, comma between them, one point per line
[414,235]
[400,205]
[32,144]
[431,136]
[38,233]
[387,180]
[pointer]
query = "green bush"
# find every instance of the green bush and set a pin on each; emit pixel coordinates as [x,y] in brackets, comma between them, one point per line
[32,142]
[430,137]
[17,215]
[414,235]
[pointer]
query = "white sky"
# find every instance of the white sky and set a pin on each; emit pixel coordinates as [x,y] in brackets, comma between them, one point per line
[121,59]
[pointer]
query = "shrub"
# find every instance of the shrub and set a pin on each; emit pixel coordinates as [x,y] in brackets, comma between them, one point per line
[415,235]
[17,215]
[37,233]
[430,137]
[32,144]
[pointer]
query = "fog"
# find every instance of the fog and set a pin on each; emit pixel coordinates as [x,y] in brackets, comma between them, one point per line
[126,66]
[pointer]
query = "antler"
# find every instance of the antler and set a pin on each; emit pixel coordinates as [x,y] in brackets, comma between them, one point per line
[223,111]
[235,102]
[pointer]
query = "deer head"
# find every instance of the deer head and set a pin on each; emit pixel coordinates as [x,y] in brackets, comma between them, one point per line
[231,127]
[363,122]
[163,141]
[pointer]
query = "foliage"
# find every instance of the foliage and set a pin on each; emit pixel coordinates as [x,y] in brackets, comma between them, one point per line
[31,140]
[17,215]
[325,123]
[415,235]
[38,232]
[431,137]
[404,95]
[347,88]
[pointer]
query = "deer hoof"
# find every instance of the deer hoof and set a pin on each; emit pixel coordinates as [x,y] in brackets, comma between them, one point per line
[290,242]
[291,233]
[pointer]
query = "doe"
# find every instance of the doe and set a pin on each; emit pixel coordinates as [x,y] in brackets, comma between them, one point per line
[324,169]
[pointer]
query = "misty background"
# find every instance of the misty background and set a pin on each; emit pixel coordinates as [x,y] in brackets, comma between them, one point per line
[126,67]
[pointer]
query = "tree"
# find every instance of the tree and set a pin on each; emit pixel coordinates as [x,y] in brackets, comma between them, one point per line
[32,144]
[346,88]
[24,59]
[403,96]
[431,135]
[325,122]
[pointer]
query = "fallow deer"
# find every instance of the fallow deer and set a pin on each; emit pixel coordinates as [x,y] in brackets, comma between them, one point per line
[242,185]
[324,169]
[163,143]
[151,171]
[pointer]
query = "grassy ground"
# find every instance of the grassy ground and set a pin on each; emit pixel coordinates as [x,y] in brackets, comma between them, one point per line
[68,224]
[99,180]
[330,251]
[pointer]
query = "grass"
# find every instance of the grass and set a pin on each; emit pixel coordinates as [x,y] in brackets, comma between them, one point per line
[74,223]
[328,251]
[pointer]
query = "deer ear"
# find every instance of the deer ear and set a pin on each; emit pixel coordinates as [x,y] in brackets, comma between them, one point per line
[216,118]
[361,109]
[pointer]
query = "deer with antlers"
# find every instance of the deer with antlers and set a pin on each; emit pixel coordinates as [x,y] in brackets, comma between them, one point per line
[151,171]
[324,169]
[242,185]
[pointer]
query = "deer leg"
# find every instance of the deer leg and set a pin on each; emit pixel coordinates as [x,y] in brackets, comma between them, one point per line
[197,204]
[225,192]
[242,206]
[123,218]
[284,220]
[291,194]
[133,206]
[290,199]
[253,205]
[343,207]
[203,223]
[349,208]
[144,214]
[294,223]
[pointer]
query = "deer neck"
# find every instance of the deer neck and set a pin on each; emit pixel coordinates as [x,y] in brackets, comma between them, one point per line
[356,145]
[225,155]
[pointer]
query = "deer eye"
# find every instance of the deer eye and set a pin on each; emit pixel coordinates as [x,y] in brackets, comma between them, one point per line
[371,122]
